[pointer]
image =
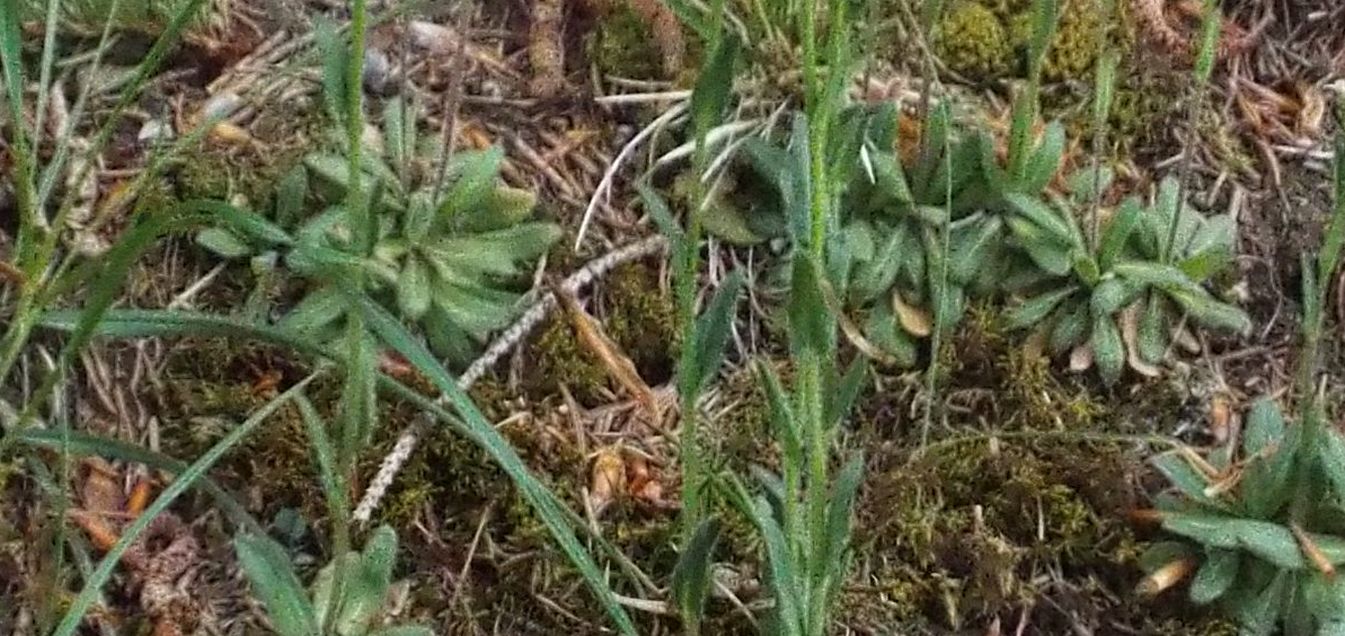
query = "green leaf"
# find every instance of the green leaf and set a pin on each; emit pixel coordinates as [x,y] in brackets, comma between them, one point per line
[840,510]
[882,330]
[783,579]
[1049,254]
[843,391]
[1267,481]
[413,289]
[1109,296]
[400,134]
[967,253]
[504,207]
[419,218]
[1215,576]
[1267,541]
[1104,88]
[1024,115]
[1211,313]
[1108,348]
[692,577]
[1331,455]
[1211,25]
[1044,16]
[1041,215]
[290,194]
[782,414]
[338,572]
[1071,327]
[890,177]
[367,588]
[1117,233]
[873,279]
[657,208]
[1260,616]
[1265,427]
[1036,309]
[1087,269]
[712,330]
[1165,277]
[267,567]
[728,223]
[1044,163]
[477,173]
[477,310]
[1184,477]
[1334,240]
[1153,331]
[1212,247]
[334,53]
[497,253]
[317,310]
[223,243]
[810,324]
[710,97]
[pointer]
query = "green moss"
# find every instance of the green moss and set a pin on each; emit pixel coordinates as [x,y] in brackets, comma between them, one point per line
[961,534]
[636,315]
[1075,47]
[973,42]
[623,45]
[560,358]
[642,320]
[205,175]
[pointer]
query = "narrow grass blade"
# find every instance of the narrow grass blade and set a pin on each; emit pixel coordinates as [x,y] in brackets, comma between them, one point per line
[712,330]
[75,615]
[483,434]
[692,577]
[82,444]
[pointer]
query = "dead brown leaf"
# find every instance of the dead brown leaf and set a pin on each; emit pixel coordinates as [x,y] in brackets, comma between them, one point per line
[914,320]
[607,479]
[1130,321]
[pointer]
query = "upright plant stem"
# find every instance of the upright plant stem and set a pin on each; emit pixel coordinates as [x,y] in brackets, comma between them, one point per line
[687,254]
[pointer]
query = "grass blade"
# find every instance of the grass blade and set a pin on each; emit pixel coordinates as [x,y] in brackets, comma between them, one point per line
[691,578]
[712,331]
[75,615]
[480,431]
[86,445]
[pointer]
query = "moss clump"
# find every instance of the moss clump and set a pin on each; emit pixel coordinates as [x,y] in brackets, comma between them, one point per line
[989,39]
[637,316]
[1074,50]
[962,534]
[559,358]
[623,45]
[205,175]
[642,320]
[973,42]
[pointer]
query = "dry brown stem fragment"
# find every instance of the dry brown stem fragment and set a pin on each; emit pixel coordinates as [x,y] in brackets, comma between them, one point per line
[1165,577]
[617,363]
